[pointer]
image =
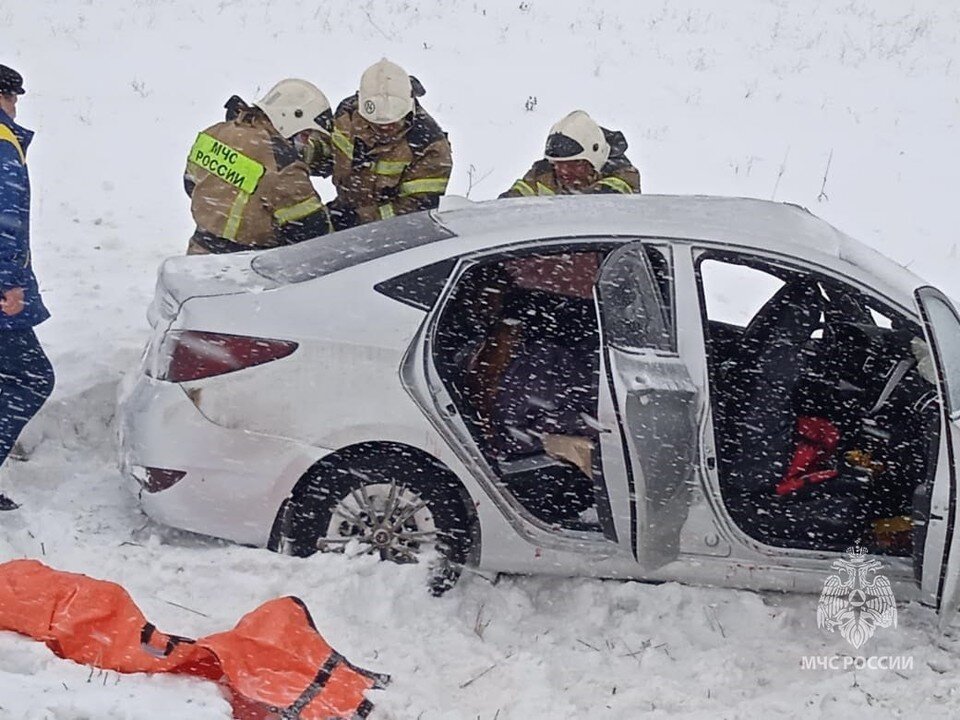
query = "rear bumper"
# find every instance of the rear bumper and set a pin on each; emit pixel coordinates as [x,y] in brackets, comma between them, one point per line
[235,480]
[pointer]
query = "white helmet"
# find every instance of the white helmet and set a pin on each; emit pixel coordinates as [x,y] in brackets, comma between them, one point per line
[386,94]
[294,105]
[577,137]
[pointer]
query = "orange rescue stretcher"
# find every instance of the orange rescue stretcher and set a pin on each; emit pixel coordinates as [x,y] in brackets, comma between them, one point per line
[274,665]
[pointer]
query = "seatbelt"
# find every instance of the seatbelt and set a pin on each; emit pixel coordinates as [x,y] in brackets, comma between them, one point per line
[898,373]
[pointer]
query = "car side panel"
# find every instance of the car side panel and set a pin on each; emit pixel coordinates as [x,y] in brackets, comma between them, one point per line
[235,480]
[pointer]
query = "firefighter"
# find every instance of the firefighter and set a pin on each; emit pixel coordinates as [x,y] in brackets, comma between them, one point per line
[248,177]
[390,156]
[314,146]
[580,157]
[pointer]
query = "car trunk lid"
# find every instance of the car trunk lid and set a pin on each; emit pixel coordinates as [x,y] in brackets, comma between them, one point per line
[182,278]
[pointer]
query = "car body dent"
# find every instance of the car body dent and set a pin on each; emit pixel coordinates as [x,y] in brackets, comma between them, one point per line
[224,495]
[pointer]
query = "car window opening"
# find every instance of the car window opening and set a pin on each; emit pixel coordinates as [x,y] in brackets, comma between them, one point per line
[420,287]
[518,348]
[825,419]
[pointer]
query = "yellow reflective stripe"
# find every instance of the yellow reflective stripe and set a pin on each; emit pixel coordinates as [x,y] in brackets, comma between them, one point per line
[390,167]
[621,186]
[7,135]
[424,185]
[300,210]
[386,211]
[232,227]
[523,188]
[342,142]
[544,189]
[226,163]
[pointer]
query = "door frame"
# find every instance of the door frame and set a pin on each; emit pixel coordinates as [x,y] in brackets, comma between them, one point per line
[943,570]
[743,546]
[421,379]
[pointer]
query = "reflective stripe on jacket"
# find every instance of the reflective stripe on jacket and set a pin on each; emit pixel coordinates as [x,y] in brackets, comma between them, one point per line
[16,270]
[249,187]
[377,178]
[617,176]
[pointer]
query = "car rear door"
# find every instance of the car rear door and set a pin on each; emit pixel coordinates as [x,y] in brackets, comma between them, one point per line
[940,557]
[647,410]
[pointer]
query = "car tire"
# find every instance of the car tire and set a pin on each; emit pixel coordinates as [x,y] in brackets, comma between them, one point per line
[393,506]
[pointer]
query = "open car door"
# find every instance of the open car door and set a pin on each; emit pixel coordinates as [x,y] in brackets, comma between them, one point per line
[647,412]
[940,556]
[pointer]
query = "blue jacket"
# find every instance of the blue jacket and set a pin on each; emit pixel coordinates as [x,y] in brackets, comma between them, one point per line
[15,267]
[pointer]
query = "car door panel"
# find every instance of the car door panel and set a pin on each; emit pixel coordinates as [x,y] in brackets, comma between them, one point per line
[650,399]
[940,573]
[658,401]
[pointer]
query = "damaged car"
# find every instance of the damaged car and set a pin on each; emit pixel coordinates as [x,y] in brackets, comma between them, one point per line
[709,390]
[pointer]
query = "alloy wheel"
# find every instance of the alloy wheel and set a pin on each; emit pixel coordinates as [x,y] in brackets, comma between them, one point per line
[386,519]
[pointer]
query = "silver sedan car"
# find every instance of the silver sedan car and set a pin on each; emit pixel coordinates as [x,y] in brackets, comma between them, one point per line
[709,390]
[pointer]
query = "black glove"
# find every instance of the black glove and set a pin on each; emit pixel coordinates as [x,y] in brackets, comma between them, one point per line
[342,215]
[234,106]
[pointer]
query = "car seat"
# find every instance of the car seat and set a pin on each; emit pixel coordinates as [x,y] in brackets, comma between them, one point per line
[757,413]
[759,419]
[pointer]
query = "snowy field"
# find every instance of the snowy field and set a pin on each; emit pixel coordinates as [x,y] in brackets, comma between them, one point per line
[850,108]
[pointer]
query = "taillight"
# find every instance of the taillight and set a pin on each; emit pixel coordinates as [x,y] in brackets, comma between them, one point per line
[194,355]
[157,479]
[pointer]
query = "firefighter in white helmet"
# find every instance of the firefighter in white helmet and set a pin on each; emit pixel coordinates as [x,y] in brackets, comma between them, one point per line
[580,157]
[248,177]
[390,156]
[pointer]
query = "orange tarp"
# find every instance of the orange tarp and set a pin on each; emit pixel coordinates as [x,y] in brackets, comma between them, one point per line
[273,664]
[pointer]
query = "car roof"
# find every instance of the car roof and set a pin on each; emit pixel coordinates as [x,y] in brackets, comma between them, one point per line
[742,223]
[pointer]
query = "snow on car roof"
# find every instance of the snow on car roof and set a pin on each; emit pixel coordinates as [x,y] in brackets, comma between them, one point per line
[741,222]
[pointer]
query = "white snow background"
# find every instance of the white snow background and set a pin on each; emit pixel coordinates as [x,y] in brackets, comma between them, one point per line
[744,97]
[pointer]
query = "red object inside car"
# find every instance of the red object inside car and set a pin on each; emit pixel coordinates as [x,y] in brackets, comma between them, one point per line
[816,449]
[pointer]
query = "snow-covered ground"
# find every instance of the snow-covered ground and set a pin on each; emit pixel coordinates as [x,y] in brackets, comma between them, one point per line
[850,108]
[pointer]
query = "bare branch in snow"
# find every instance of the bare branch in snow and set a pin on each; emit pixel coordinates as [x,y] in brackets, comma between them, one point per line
[477,677]
[375,26]
[184,607]
[473,180]
[480,625]
[823,195]
[783,169]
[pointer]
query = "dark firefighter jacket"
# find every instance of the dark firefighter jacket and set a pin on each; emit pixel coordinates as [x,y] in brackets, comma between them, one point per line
[375,179]
[249,189]
[618,175]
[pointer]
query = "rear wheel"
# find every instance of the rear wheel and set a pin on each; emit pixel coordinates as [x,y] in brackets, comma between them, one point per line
[389,520]
[393,508]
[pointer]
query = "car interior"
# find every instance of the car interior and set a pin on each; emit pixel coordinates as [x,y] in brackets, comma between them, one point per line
[825,409]
[517,346]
